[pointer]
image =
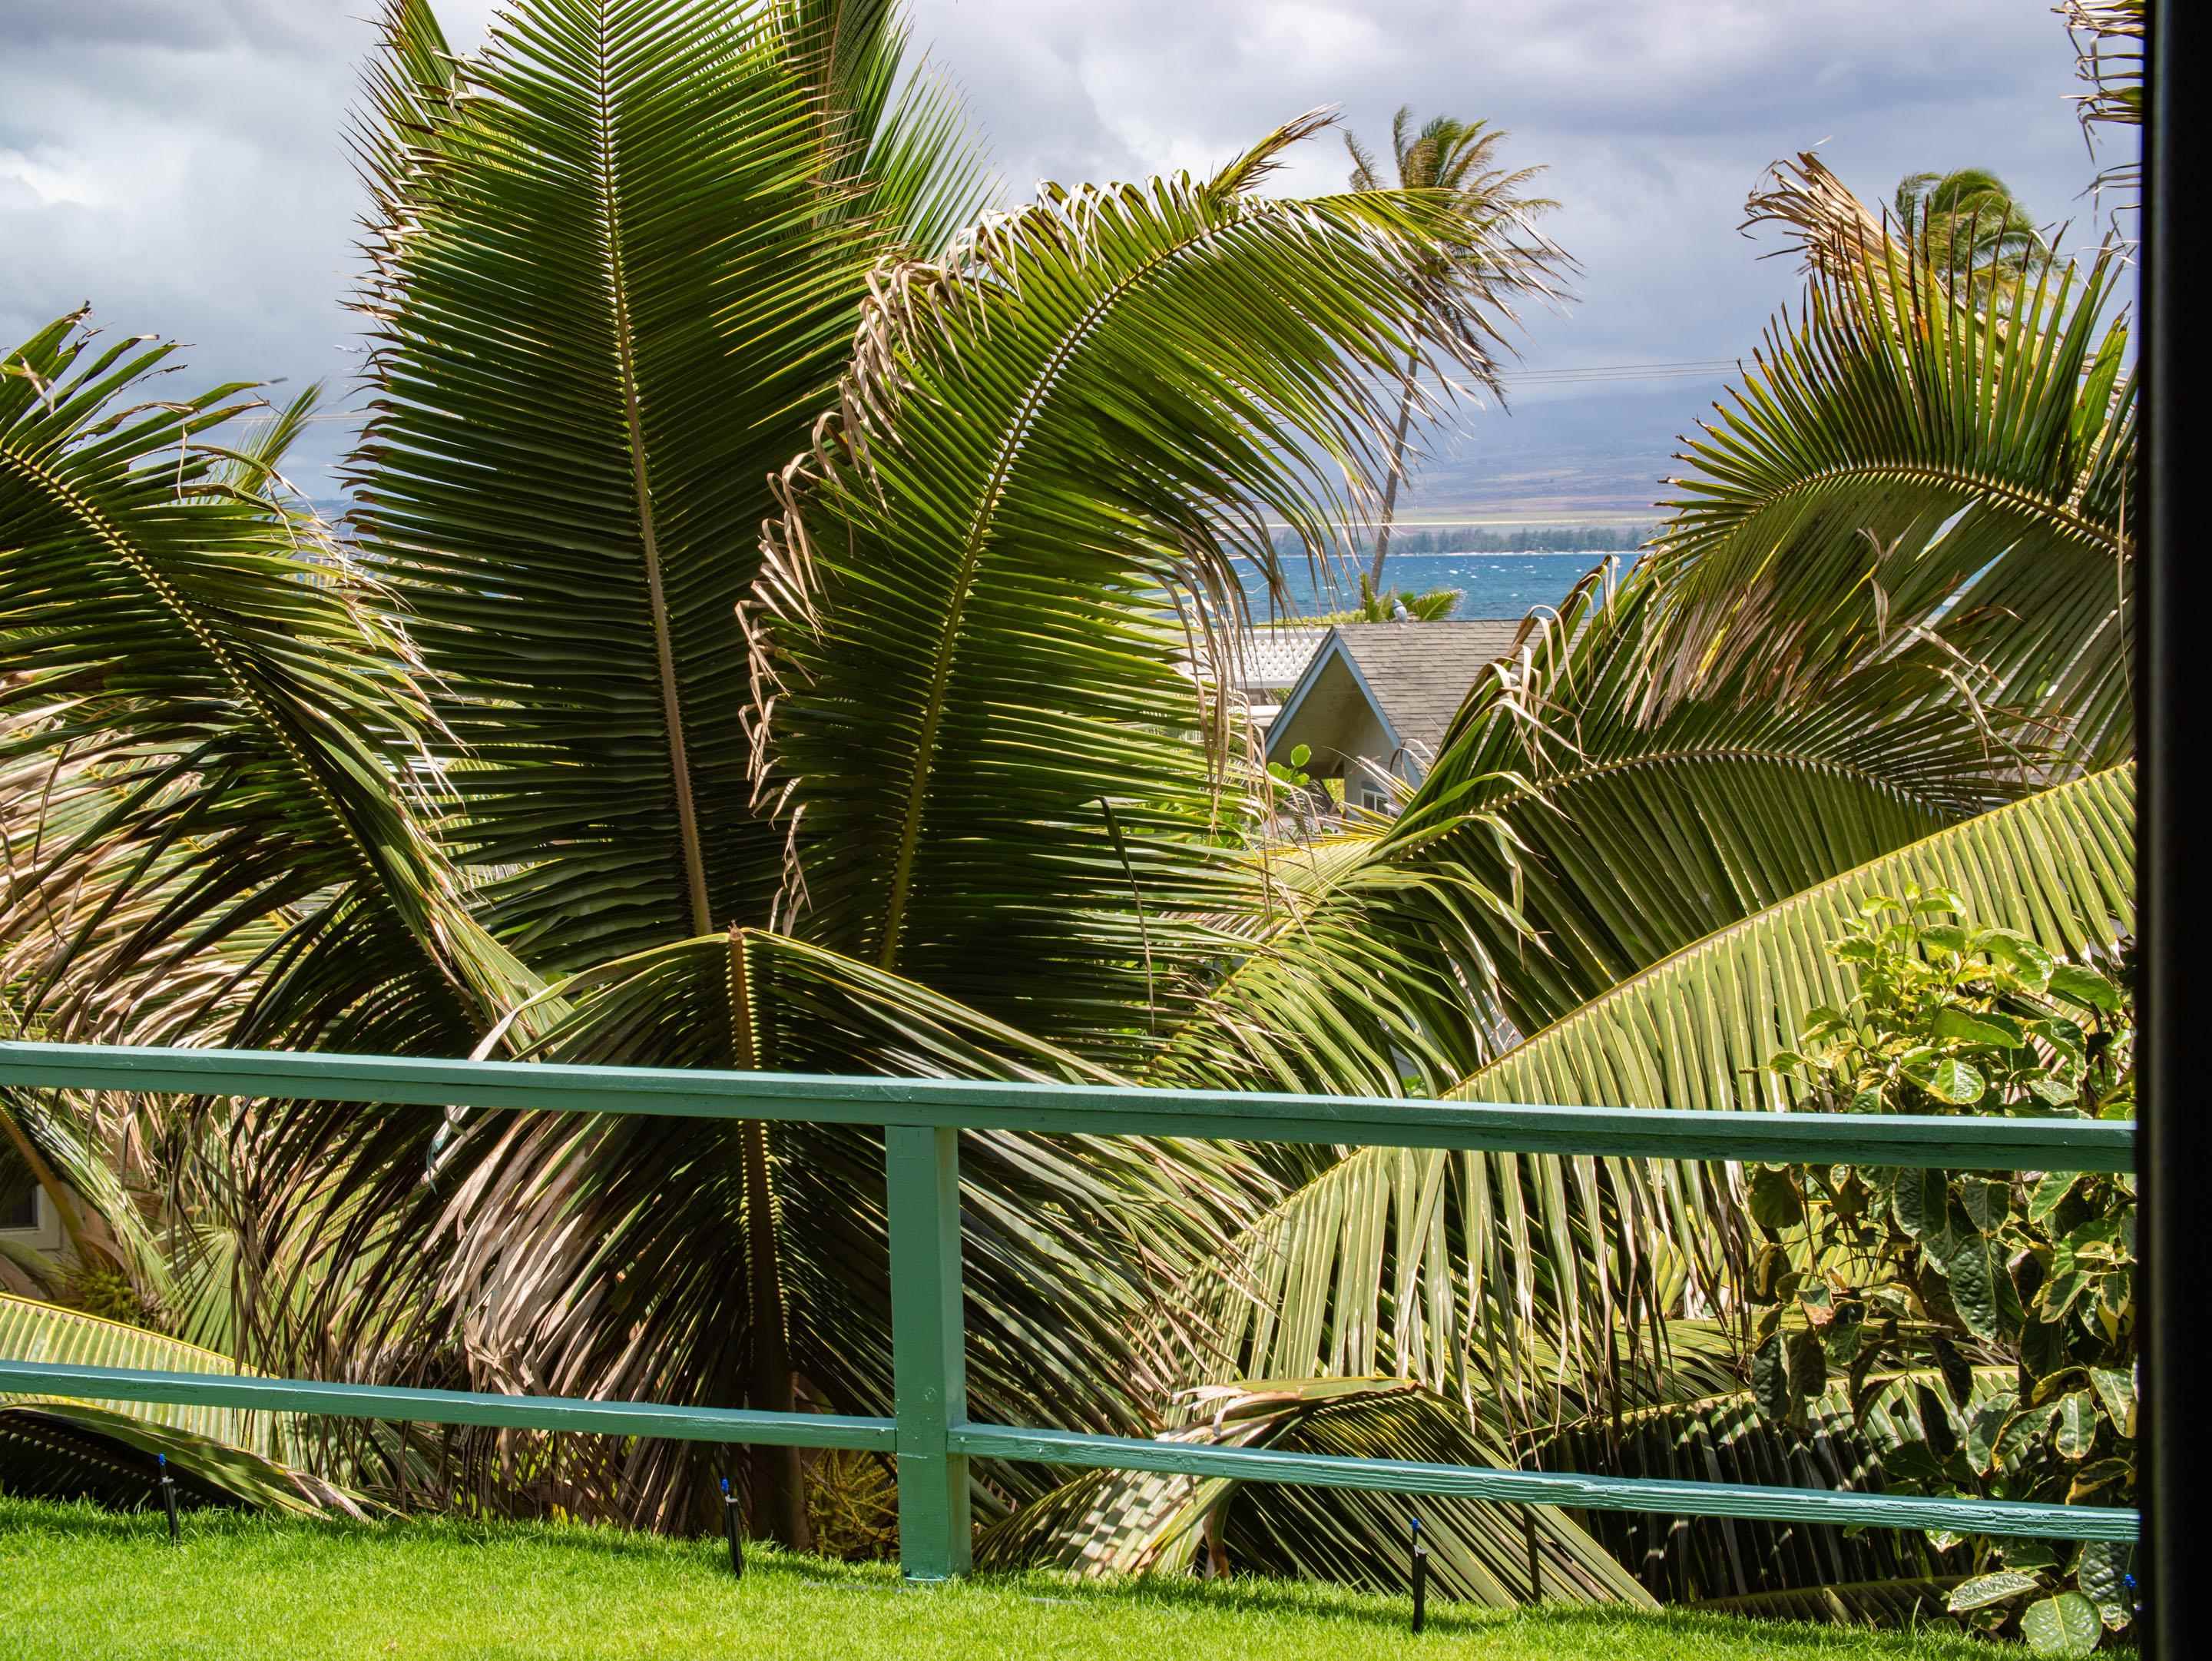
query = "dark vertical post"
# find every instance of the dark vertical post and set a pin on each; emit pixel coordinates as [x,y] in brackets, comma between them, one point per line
[929,1361]
[2174,1147]
[730,1527]
[1535,1557]
[1421,1580]
[168,1495]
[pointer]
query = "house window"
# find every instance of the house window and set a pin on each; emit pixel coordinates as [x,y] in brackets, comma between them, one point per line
[18,1193]
[1373,800]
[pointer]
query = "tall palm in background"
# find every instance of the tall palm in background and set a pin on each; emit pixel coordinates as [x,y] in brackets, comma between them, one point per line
[1972,226]
[579,762]
[1459,158]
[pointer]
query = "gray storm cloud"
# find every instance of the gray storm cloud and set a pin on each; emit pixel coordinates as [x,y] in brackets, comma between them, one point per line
[180,163]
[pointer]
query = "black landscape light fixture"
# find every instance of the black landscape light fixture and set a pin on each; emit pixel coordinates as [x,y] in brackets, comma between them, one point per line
[1421,1578]
[730,1528]
[2175,1248]
[169,1489]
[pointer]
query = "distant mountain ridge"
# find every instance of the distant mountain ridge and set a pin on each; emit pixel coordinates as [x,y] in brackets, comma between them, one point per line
[1601,459]
[1513,480]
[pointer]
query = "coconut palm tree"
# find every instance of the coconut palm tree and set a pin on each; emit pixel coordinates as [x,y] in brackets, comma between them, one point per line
[1874,646]
[1459,158]
[555,753]
[1972,226]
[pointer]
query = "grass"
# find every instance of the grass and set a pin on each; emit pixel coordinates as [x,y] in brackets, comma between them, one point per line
[78,1582]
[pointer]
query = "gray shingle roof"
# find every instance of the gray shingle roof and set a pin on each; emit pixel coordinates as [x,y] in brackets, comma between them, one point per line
[1420,673]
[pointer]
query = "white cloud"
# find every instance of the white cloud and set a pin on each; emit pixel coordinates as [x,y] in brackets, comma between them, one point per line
[46,177]
[181,163]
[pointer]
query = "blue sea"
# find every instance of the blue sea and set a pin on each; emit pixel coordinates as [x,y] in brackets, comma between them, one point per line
[1491,585]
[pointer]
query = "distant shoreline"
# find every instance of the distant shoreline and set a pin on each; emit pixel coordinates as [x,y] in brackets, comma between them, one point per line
[1411,540]
[1491,583]
[1501,553]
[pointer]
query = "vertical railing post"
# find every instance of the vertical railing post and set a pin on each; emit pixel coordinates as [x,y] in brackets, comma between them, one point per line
[929,1358]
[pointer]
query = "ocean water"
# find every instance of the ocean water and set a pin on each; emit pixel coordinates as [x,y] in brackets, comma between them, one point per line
[1491,585]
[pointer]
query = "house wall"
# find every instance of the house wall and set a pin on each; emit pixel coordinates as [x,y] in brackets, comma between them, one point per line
[1336,722]
[30,1228]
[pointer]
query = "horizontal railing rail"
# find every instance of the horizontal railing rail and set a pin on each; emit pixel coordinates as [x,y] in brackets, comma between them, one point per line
[1960,1143]
[930,1433]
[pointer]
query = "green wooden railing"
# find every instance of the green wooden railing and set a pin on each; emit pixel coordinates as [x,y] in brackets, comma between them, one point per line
[930,1433]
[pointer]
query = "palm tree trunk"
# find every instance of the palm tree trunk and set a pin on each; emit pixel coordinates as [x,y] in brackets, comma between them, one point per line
[1397,473]
[776,1495]
[777,1492]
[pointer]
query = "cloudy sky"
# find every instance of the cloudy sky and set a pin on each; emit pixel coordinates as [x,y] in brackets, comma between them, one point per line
[179,163]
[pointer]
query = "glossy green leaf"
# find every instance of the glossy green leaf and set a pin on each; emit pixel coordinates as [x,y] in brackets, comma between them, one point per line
[1987,1203]
[1956,1081]
[1985,1590]
[2117,1392]
[1973,1271]
[1774,1202]
[2085,986]
[2078,1424]
[2067,1625]
[2049,1190]
[1955,1023]
[2104,1573]
[1919,1199]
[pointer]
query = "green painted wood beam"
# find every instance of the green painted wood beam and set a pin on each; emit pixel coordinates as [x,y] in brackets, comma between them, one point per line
[1963,1143]
[929,1354]
[450,1407]
[2010,1518]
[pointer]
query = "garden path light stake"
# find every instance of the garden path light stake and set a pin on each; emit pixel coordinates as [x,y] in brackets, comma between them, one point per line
[1420,1578]
[730,1528]
[168,1493]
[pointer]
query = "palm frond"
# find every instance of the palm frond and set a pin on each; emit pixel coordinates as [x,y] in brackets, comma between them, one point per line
[1725,1438]
[46,1136]
[1114,1522]
[656,212]
[893,136]
[1520,1280]
[968,624]
[1901,464]
[74,1452]
[2108,53]
[1640,832]
[647,1258]
[61,1448]
[1364,965]
[34,1331]
[1565,839]
[202,734]
[2059,866]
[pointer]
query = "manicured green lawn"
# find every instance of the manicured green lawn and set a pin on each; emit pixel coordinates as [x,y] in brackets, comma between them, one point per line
[76,1582]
